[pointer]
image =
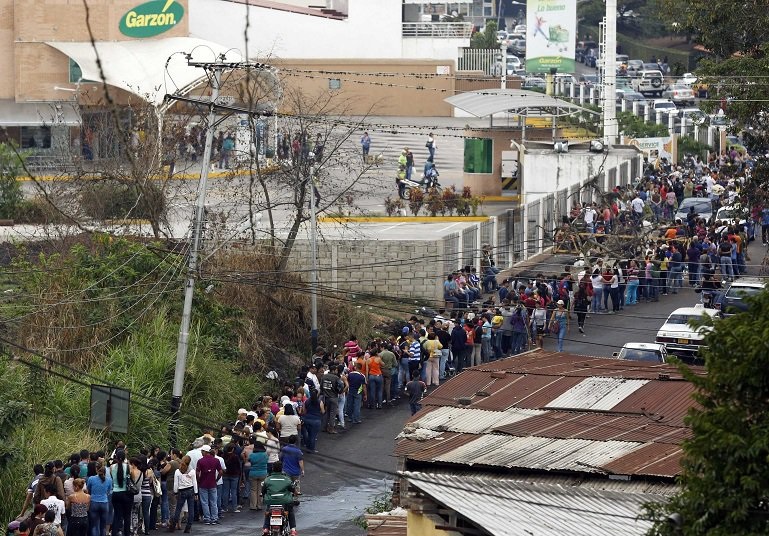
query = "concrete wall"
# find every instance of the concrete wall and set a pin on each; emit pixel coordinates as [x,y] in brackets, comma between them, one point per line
[390,268]
[545,172]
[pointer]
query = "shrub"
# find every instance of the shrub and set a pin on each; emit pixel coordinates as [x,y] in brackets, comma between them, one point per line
[393,206]
[450,200]
[435,202]
[11,167]
[37,210]
[416,201]
[111,199]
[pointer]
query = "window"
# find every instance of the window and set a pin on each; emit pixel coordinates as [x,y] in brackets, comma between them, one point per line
[75,72]
[478,155]
[35,137]
[334,83]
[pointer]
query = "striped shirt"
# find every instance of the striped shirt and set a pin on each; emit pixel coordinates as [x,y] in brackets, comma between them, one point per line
[416,351]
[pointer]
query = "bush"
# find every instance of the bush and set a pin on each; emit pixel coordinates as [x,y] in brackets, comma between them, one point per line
[39,211]
[393,206]
[111,199]
[11,167]
[435,202]
[416,200]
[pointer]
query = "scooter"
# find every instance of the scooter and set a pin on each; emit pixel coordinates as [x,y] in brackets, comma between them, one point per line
[279,521]
[425,183]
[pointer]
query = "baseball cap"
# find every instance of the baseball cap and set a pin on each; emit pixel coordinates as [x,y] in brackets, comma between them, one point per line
[405,330]
[559,302]
[205,448]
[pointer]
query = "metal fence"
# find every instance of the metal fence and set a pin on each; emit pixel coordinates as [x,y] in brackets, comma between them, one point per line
[531,212]
[487,232]
[548,219]
[450,252]
[439,30]
[469,245]
[477,59]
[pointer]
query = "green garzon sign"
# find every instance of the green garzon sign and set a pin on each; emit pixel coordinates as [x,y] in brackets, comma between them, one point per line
[151,18]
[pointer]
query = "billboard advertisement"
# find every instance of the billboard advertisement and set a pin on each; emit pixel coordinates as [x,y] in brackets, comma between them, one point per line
[654,148]
[551,28]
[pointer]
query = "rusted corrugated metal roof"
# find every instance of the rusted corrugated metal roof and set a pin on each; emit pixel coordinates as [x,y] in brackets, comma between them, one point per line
[463,385]
[666,401]
[471,420]
[597,393]
[654,459]
[432,448]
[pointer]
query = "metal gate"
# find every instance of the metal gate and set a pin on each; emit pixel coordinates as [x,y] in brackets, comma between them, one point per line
[450,253]
[532,223]
[469,246]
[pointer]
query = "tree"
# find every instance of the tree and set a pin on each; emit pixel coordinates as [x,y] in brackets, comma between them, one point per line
[487,38]
[725,479]
[11,167]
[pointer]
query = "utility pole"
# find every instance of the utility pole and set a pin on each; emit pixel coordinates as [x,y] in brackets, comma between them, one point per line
[610,74]
[197,228]
[503,84]
[314,256]
[214,70]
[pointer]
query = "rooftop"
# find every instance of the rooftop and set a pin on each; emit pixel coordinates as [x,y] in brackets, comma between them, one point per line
[554,412]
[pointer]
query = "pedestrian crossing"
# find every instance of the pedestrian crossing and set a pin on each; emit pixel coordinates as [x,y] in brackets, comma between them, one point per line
[449,153]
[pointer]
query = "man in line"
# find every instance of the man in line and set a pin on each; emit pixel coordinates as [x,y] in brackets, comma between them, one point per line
[208,471]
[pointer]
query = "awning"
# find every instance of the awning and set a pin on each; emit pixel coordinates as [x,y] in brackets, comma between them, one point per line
[148,68]
[516,101]
[25,114]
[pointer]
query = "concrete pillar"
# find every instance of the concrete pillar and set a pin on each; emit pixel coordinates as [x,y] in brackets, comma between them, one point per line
[648,112]
[659,117]
[635,108]
[623,105]
[697,132]
[671,124]
[572,91]
[683,125]
[582,95]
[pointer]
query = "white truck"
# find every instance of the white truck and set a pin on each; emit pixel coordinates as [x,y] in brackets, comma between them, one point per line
[649,83]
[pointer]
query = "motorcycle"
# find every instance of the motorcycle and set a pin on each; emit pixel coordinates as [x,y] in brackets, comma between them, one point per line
[279,521]
[427,181]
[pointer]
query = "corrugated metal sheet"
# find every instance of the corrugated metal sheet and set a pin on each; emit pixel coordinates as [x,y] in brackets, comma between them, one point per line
[532,391]
[464,385]
[597,393]
[543,362]
[664,400]
[508,507]
[471,420]
[539,453]
[654,459]
[597,427]
[431,449]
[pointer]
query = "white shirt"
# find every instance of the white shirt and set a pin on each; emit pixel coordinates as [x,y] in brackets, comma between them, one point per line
[56,505]
[597,280]
[314,379]
[638,205]
[224,467]
[289,425]
[185,480]
[195,455]
[589,215]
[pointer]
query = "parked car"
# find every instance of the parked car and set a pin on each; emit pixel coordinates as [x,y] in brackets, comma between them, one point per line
[665,105]
[650,83]
[689,79]
[501,36]
[678,336]
[634,67]
[534,82]
[517,47]
[519,31]
[702,206]
[729,214]
[629,94]
[694,116]
[643,351]
[623,82]
[732,300]
[588,80]
[680,94]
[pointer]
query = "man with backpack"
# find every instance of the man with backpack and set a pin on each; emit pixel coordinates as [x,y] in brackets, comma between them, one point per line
[331,386]
[519,320]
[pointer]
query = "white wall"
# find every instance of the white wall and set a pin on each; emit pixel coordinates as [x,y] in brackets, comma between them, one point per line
[546,172]
[371,30]
[434,48]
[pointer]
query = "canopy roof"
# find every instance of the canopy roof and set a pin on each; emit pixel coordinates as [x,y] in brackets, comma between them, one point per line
[516,101]
[148,68]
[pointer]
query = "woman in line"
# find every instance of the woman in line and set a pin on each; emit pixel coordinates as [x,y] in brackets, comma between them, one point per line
[100,489]
[186,487]
[559,323]
[78,503]
[257,474]
[538,322]
[122,501]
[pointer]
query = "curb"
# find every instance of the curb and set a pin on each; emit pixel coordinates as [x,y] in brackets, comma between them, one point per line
[176,177]
[401,219]
[500,198]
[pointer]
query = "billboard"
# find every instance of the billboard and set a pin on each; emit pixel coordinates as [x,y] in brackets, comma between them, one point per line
[654,148]
[551,28]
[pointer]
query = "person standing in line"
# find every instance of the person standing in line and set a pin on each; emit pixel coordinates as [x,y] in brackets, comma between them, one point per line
[78,504]
[415,389]
[365,143]
[292,459]
[389,365]
[431,146]
[257,473]
[559,323]
[207,472]
[581,302]
[331,386]
[186,489]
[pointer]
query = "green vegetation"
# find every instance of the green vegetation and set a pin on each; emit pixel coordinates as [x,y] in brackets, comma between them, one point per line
[107,311]
[725,479]
[382,503]
[487,38]
[688,145]
[629,124]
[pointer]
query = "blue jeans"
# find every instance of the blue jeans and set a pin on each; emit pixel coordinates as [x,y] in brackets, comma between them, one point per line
[518,344]
[219,494]
[597,294]
[631,297]
[443,361]
[312,425]
[208,504]
[394,383]
[230,493]
[353,406]
[97,518]
[403,372]
[146,503]
[185,495]
[164,513]
[486,352]
[340,409]
[415,408]
[375,385]
[561,335]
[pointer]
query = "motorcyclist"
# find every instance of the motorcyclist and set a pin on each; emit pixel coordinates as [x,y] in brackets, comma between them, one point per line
[278,489]
[708,287]
[431,174]
[400,179]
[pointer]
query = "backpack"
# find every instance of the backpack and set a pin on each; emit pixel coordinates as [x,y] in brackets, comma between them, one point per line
[132,486]
[477,334]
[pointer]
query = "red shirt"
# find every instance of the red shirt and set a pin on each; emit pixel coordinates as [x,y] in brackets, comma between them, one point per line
[208,471]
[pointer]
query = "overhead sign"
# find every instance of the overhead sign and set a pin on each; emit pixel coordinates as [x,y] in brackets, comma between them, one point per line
[151,18]
[551,27]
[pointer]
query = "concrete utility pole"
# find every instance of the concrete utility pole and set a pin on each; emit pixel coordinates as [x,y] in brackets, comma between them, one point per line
[314,256]
[197,228]
[610,74]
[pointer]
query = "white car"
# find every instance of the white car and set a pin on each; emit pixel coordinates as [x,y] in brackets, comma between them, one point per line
[732,213]
[688,79]
[643,351]
[681,338]
[664,105]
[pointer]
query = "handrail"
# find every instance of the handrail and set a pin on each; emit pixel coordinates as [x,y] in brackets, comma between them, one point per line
[441,30]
